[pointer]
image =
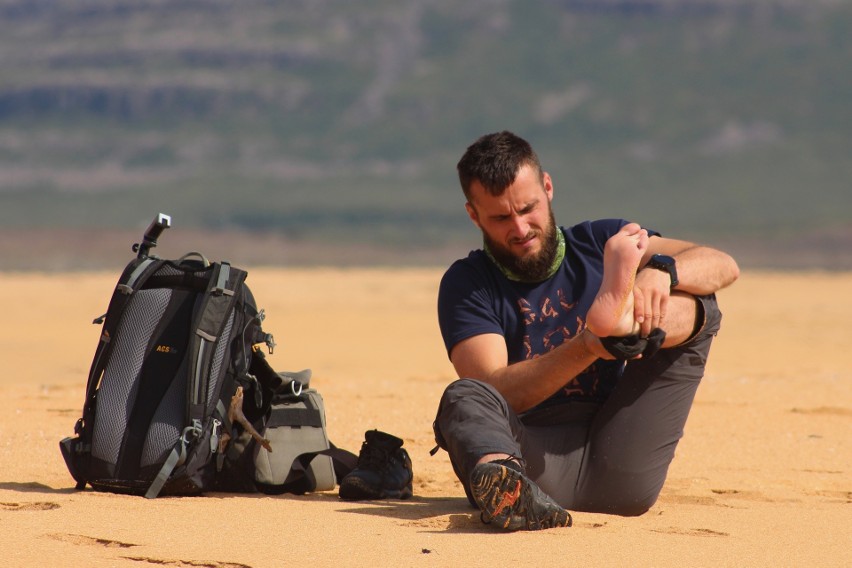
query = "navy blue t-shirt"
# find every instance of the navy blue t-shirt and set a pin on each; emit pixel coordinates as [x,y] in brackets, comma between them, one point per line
[476,298]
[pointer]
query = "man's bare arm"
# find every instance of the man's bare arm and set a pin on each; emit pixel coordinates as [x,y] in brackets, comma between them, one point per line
[701,269]
[526,383]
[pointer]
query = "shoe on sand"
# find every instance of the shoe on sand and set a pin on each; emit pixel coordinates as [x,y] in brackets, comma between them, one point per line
[383,470]
[508,499]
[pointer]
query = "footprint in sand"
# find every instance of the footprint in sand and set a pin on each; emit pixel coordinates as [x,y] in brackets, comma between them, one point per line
[186,563]
[823,410]
[835,496]
[744,495]
[32,506]
[584,525]
[690,500]
[690,532]
[90,541]
[83,540]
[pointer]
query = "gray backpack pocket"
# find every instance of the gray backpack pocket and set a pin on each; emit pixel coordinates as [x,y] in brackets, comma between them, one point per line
[296,430]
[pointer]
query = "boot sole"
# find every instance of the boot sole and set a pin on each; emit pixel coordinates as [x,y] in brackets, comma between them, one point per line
[502,494]
[355,489]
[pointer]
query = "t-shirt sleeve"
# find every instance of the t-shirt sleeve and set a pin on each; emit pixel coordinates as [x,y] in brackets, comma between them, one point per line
[465,305]
[602,229]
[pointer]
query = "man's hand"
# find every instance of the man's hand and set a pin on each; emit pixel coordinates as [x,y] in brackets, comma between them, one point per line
[651,294]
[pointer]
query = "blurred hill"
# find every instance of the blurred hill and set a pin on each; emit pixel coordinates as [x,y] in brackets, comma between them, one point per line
[327,132]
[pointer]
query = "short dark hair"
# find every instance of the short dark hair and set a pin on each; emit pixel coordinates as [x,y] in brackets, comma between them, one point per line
[494,159]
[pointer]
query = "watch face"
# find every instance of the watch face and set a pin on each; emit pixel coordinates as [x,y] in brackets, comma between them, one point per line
[666,264]
[662,261]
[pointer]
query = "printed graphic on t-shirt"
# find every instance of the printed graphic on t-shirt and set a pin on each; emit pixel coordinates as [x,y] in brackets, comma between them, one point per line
[549,325]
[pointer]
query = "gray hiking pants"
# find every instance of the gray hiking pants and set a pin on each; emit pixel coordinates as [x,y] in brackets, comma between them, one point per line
[609,457]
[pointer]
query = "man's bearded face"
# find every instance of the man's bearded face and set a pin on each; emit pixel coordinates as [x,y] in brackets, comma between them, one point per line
[532,266]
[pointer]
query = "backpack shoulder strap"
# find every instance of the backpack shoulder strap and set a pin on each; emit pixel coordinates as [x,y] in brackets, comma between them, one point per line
[222,293]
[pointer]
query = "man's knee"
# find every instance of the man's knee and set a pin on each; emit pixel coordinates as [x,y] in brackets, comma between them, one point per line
[708,318]
[462,389]
[467,399]
[633,507]
[626,501]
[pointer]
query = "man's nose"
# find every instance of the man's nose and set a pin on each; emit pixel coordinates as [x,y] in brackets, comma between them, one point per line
[520,226]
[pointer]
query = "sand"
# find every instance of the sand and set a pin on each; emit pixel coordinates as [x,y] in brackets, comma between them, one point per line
[763,476]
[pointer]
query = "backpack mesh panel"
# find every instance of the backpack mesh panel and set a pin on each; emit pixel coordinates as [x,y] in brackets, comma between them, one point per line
[168,421]
[216,363]
[120,379]
[166,270]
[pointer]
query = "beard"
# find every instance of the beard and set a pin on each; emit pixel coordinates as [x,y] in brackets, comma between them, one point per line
[533,267]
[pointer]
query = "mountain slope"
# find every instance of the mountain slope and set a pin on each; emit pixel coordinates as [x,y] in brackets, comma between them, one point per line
[323,120]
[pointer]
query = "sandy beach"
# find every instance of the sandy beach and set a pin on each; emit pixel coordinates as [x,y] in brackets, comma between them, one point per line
[763,476]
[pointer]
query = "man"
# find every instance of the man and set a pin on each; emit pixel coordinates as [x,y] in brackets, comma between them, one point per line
[564,400]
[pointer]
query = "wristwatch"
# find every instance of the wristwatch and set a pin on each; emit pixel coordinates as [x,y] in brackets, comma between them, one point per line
[666,264]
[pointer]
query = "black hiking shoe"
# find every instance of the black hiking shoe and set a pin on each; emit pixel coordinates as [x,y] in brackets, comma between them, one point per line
[383,470]
[508,499]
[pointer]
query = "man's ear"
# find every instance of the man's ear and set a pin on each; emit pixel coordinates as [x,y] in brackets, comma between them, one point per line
[471,212]
[548,185]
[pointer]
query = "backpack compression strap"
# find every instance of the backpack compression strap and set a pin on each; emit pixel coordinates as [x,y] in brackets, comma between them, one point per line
[176,458]
[344,460]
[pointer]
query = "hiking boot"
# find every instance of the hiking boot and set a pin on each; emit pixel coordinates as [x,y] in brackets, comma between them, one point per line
[508,499]
[383,470]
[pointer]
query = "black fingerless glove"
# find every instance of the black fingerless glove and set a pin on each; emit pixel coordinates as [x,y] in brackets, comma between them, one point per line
[630,347]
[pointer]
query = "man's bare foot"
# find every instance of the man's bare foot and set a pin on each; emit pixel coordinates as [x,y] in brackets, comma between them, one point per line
[611,313]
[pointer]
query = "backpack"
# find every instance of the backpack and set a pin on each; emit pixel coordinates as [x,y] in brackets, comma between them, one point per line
[289,450]
[180,346]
